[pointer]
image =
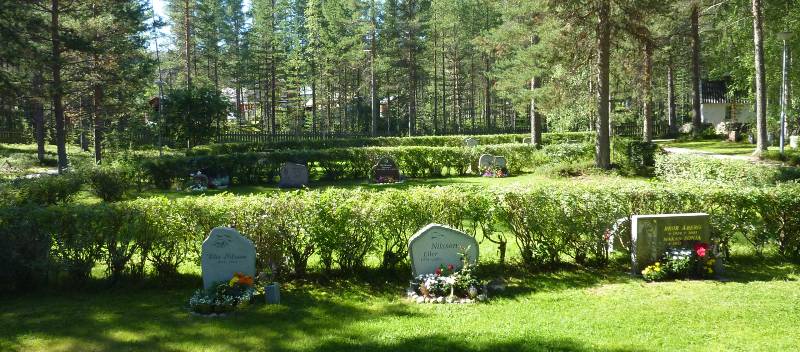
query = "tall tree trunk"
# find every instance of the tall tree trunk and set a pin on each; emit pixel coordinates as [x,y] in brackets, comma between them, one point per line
[648,92]
[761,85]
[536,120]
[187,43]
[37,108]
[602,144]
[695,32]
[273,78]
[97,109]
[373,87]
[671,113]
[487,96]
[57,89]
[435,81]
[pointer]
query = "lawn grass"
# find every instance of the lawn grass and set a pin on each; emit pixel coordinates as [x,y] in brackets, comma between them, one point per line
[716,146]
[572,309]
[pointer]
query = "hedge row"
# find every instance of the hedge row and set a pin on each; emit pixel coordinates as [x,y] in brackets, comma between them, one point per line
[420,141]
[345,227]
[705,169]
[354,163]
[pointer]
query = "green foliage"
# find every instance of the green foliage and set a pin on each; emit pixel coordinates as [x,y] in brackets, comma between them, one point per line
[685,167]
[109,183]
[634,157]
[353,163]
[46,190]
[345,228]
[190,114]
[418,141]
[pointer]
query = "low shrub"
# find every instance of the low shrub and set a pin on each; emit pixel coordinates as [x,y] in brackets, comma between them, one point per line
[634,157]
[698,168]
[109,183]
[418,141]
[346,228]
[352,163]
[47,190]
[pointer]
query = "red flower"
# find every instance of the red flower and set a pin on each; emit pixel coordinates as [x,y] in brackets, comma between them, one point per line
[700,249]
[438,271]
[450,267]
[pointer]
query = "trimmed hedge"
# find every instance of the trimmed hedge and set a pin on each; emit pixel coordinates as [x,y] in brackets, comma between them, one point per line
[418,141]
[354,163]
[344,228]
[634,156]
[704,169]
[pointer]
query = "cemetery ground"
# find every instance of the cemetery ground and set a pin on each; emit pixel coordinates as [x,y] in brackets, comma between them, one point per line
[578,309]
[564,307]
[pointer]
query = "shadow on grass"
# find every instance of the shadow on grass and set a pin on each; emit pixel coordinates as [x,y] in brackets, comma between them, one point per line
[441,342]
[157,320]
[750,268]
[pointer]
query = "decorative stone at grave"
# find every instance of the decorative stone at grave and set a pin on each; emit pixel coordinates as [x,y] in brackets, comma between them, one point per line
[436,245]
[293,175]
[226,252]
[492,166]
[220,182]
[527,140]
[385,171]
[794,142]
[470,142]
[652,235]
[500,162]
[485,161]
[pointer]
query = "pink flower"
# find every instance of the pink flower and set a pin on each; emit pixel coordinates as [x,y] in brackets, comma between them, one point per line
[450,267]
[438,271]
[700,249]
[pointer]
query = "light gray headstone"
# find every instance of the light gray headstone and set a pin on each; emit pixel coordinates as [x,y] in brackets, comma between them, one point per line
[527,140]
[651,235]
[226,252]
[485,161]
[293,176]
[435,245]
[794,142]
[470,142]
[500,162]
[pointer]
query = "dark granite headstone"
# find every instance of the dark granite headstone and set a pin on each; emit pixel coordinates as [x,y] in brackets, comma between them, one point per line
[385,171]
[652,235]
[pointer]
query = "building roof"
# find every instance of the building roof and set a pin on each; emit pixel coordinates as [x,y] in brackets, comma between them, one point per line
[716,92]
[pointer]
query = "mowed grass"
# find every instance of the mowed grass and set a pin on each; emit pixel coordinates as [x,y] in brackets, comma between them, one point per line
[572,309]
[716,146]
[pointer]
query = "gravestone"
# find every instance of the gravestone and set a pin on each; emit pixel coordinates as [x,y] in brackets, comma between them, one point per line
[224,253]
[794,142]
[470,142]
[293,176]
[485,161]
[527,140]
[651,235]
[385,171]
[436,245]
[500,162]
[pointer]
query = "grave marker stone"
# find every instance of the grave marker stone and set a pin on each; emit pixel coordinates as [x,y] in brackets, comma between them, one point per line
[293,176]
[385,171]
[436,245]
[485,161]
[527,140]
[470,142]
[224,253]
[651,235]
[500,162]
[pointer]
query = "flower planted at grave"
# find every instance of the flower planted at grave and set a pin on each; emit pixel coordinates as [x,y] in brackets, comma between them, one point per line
[683,263]
[224,297]
[448,284]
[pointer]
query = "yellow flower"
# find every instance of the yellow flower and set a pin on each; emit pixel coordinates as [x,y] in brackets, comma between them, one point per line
[658,269]
[233,281]
[710,271]
[711,261]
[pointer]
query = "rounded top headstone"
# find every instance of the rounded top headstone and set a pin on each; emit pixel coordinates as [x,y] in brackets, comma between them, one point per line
[436,245]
